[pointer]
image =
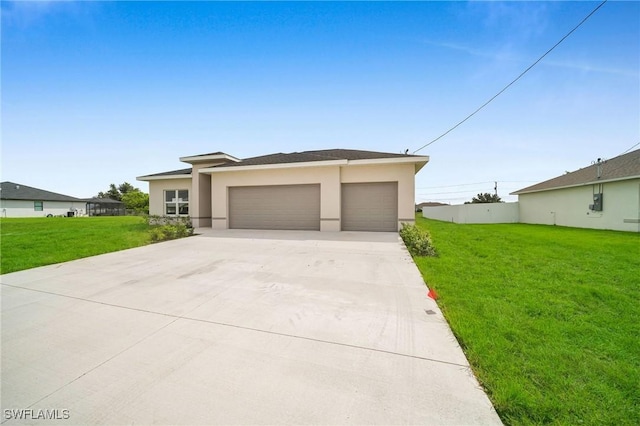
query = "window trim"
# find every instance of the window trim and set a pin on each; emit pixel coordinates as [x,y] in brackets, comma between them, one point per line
[38,206]
[176,202]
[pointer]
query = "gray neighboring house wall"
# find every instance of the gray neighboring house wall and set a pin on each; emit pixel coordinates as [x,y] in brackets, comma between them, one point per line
[604,195]
[17,200]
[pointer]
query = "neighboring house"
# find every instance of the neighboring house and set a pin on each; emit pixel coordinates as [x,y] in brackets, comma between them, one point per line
[420,206]
[326,190]
[605,195]
[17,200]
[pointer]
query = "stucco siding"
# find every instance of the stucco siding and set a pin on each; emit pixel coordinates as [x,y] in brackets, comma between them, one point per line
[570,207]
[200,207]
[327,177]
[156,193]
[330,179]
[25,208]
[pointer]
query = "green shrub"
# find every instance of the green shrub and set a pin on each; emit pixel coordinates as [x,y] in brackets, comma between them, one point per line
[165,228]
[417,240]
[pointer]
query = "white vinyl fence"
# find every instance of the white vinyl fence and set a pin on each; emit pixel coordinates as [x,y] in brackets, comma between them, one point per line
[475,213]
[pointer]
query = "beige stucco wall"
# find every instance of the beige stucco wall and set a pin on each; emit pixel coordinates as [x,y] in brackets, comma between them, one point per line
[200,208]
[329,178]
[156,193]
[20,208]
[570,207]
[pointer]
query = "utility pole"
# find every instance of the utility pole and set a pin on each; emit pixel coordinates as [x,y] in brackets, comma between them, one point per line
[495,188]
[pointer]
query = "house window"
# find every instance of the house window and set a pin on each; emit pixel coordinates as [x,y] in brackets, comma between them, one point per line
[176,202]
[38,206]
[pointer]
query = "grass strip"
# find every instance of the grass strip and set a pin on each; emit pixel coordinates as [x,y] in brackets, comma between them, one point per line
[30,242]
[547,316]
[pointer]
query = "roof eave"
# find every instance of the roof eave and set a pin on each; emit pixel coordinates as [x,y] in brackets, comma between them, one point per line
[274,166]
[419,161]
[162,177]
[198,159]
[525,191]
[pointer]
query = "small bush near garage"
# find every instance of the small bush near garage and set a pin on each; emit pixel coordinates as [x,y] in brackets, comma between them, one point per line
[163,228]
[417,240]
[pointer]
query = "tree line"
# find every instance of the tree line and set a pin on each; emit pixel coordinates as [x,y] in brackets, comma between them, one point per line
[485,198]
[132,197]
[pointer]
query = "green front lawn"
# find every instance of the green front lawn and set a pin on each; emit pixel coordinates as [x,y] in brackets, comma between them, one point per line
[549,317]
[31,242]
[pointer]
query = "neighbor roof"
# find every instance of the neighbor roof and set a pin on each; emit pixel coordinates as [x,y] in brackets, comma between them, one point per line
[431,204]
[97,200]
[626,166]
[16,191]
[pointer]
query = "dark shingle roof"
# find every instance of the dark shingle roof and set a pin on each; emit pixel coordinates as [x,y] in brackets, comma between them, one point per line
[296,157]
[173,172]
[16,191]
[621,167]
[321,155]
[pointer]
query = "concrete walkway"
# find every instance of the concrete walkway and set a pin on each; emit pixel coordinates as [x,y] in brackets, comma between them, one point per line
[235,327]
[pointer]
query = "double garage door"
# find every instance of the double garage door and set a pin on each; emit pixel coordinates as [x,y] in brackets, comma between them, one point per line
[365,207]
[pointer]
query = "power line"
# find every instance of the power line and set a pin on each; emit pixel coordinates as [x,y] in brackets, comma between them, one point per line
[451,186]
[630,149]
[469,191]
[475,183]
[512,82]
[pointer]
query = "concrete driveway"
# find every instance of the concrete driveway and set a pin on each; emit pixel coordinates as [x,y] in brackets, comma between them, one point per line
[235,327]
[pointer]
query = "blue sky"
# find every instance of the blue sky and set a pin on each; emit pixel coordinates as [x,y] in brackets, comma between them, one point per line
[101,92]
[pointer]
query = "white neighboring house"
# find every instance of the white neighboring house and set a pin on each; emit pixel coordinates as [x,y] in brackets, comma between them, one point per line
[18,200]
[605,195]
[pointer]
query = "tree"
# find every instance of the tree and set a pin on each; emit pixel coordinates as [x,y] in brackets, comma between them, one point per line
[132,197]
[116,192]
[136,200]
[126,187]
[485,198]
[112,193]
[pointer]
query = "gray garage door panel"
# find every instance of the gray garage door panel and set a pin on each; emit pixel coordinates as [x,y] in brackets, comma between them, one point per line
[370,206]
[275,207]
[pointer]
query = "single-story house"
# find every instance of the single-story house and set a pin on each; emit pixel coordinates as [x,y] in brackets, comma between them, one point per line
[325,190]
[604,195]
[17,200]
[422,205]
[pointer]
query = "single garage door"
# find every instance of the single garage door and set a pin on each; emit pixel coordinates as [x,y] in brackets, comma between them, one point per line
[370,206]
[275,207]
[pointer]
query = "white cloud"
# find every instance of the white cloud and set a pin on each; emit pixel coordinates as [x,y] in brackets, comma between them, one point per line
[585,67]
[23,14]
